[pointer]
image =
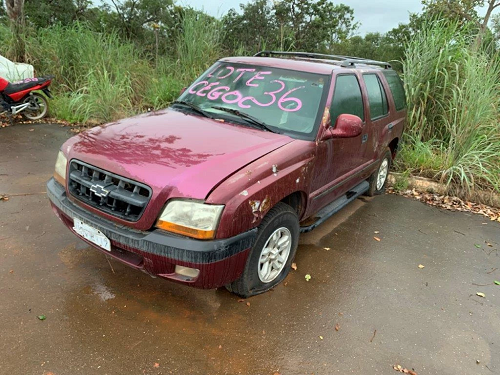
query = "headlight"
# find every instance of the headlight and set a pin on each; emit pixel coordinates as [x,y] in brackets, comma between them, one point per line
[193,219]
[60,170]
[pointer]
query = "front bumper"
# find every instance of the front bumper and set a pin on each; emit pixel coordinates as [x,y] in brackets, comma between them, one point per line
[158,252]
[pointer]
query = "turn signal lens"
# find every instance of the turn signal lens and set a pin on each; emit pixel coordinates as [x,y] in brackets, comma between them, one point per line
[60,169]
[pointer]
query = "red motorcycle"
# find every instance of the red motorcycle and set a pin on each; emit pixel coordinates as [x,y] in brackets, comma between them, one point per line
[22,97]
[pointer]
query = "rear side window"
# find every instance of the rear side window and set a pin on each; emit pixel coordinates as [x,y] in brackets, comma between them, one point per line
[347,98]
[376,96]
[397,89]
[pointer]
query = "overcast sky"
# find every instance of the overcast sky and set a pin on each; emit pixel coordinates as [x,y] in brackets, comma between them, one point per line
[374,15]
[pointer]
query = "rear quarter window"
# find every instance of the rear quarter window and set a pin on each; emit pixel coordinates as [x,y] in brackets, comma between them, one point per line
[397,89]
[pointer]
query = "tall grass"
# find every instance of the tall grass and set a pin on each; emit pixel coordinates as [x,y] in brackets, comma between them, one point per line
[99,77]
[453,94]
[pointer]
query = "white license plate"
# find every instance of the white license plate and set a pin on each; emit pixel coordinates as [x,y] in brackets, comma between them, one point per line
[91,234]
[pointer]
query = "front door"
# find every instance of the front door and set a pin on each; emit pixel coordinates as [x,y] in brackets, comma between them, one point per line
[339,161]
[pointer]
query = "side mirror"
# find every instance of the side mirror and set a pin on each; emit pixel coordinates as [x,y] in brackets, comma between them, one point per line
[347,126]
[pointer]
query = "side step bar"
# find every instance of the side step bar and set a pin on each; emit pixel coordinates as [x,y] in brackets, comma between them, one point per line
[334,207]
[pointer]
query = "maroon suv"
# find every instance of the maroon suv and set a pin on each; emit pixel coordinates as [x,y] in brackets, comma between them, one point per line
[214,190]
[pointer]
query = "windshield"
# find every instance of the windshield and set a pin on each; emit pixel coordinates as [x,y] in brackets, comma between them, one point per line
[286,101]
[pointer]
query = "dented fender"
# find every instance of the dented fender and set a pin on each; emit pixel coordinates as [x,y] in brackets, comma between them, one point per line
[249,194]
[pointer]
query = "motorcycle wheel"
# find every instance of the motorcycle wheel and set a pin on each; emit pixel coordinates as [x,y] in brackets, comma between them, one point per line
[39,106]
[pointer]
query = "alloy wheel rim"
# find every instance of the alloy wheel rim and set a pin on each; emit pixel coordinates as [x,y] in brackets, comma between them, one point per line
[274,255]
[382,174]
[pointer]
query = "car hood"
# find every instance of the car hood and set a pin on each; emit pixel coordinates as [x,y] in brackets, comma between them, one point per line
[184,155]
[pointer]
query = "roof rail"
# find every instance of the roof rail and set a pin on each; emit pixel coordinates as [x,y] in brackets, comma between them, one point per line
[346,61]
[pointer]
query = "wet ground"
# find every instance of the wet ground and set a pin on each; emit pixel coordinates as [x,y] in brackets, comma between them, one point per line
[105,318]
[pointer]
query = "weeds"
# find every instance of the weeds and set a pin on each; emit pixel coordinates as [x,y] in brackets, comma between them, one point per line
[453,94]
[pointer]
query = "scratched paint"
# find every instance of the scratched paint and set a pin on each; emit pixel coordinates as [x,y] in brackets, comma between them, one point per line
[259,208]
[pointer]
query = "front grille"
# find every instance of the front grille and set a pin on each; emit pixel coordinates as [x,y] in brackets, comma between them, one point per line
[108,192]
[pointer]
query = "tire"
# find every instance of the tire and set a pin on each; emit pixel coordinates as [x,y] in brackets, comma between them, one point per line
[378,180]
[281,222]
[38,109]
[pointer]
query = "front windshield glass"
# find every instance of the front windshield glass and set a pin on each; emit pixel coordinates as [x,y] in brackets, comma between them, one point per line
[287,101]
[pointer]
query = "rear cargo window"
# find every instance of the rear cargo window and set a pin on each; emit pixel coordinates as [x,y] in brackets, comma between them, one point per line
[377,98]
[397,89]
[347,98]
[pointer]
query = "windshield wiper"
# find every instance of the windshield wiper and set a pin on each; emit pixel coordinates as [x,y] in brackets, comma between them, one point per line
[246,117]
[194,107]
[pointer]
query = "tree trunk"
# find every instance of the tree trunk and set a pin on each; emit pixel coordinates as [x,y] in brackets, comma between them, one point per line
[15,12]
[492,4]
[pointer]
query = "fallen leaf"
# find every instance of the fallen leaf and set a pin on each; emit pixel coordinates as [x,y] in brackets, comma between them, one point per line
[376,232]
[497,282]
[248,303]
[41,317]
[403,370]
[481,294]
[308,277]
[220,346]
[294,266]
[276,373]
[32,130]
[478,246]
[421,266]
[326,248]
[488,244]
[376,239]
[241,300]
[11,271]
[321,337]
[337,327]
[156,365]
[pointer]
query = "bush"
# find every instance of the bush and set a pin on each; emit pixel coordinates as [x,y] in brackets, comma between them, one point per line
[453,97]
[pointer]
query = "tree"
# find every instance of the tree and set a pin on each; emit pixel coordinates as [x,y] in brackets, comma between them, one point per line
[44,13]
[132,16]
[252,30]
[15,13]
[463,11]
[316,25]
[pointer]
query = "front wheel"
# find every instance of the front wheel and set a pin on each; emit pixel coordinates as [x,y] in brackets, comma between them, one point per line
[272,255]
[38,107]
[378,180]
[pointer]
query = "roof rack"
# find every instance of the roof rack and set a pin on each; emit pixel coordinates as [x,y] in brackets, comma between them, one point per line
[345,61]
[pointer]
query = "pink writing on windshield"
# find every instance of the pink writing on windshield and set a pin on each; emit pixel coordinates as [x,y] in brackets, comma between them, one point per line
[216,91]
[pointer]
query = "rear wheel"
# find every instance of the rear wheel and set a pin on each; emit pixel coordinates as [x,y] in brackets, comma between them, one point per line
[272,255]
[38,107]
[378,180]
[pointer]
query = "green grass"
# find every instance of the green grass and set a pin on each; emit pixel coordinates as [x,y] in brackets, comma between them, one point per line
[99,77]
[453,92]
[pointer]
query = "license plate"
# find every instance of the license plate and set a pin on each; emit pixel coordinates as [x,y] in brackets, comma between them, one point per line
[91,234]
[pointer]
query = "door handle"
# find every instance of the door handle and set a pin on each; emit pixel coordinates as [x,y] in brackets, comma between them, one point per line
[364,138]
[390,126]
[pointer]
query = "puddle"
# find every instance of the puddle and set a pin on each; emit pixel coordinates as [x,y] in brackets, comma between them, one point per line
[103,292]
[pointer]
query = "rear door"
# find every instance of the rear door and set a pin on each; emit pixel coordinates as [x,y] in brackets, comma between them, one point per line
[378,117]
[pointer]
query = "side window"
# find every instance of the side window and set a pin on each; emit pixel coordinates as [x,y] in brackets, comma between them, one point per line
[376,96]
[347,98]
[397,89]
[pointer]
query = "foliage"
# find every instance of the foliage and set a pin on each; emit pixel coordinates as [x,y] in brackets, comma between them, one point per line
[309,25]
[453,99]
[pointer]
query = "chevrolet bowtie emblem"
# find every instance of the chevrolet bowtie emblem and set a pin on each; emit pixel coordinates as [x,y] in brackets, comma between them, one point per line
[99,190]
